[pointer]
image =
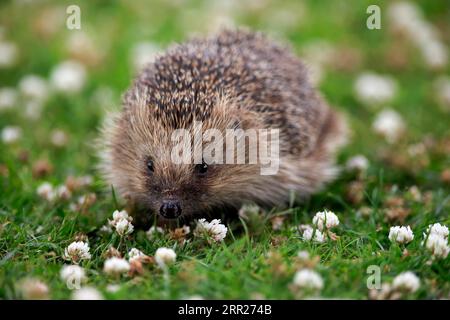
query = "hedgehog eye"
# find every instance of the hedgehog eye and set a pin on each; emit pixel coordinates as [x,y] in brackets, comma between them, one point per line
[202,168]
[150,165]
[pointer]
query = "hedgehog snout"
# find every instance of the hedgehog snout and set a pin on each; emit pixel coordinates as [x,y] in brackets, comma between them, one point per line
[170,209]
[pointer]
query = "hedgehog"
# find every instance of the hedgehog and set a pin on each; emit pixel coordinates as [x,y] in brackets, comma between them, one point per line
[234,80]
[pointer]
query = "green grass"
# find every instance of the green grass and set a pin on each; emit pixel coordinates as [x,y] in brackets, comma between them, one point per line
[33,233]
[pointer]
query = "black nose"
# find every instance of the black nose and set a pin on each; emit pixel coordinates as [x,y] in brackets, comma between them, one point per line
[170,209]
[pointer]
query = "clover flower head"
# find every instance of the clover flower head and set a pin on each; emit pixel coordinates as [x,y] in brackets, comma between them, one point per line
[135,254]
[68,77]
[438,229]
[34,87]
[33,289]
[11,134]
[121,215]
[87,293]
[437,245]
[124,227]
[46,191]
[389,124]
[151,233]
[73,273]
[374,89]
[406,281]
[309,233]
[62,192]
[400,234]
[325,220]
[116,266]
[308,279]
[165,256]
[214,230]
[122,222]
[77,251]
[357,163]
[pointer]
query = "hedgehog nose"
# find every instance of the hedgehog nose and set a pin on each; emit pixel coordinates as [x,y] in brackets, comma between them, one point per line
[170,209]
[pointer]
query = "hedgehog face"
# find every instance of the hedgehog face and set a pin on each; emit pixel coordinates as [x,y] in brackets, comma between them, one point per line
[142,169]
[139,163]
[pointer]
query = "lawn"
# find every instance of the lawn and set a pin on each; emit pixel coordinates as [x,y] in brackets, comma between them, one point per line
[49,129]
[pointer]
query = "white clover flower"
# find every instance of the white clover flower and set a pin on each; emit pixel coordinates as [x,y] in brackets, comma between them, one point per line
[8,98]
[87,293]
[106,229]
[325,220]
[308,279]
[33,289]
[34,87]
[59,138]
[73,274]
[406,281]
[118,216]
[424,33]
[77,251]
[438,229]
[374,89]
[165,256]
[113,288]
[122,222]
[83,47]
[116,266]
[68,77]
[45,191]
[435,54]
[357,163]
[62,192]
[403,15]
[389,124]
[151,233]
[186,229]
[11,134]
[408,18]
[437,245]
[401,234]
[124,227]
[213,230]
[135,254]
[309,232]
[249,211]
[8,54]
[143,53]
